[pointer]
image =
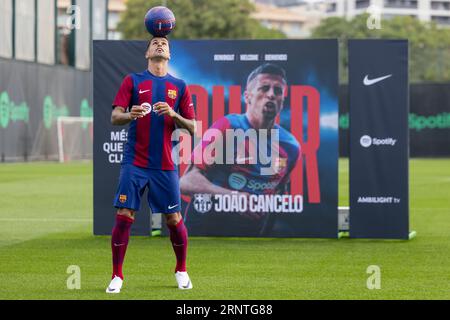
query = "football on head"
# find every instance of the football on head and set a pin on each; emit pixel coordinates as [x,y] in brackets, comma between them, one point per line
[159,21]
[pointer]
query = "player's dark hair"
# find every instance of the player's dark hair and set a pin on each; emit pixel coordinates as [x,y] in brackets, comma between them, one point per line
[267,68]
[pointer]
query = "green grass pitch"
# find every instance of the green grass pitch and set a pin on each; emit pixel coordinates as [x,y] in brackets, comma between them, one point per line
[46,226]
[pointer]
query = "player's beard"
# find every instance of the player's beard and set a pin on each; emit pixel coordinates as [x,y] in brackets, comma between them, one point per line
[159,58]
[270,111]
[159,55]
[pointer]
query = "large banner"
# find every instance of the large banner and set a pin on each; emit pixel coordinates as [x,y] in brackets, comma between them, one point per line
[264,160]
[379,145]
[240,88]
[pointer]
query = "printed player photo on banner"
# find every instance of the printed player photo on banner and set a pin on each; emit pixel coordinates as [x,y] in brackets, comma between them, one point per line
[264,160]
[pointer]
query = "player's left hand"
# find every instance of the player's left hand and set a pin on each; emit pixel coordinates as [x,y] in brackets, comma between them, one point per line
[162,108]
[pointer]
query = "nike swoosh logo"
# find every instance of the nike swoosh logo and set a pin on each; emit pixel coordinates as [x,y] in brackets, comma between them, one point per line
[111,290]
[141,92]
[118,245]
[187,285]
[171,207]
[369,82]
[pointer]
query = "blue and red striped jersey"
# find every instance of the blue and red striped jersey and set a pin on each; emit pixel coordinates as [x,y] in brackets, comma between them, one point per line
[242,175]
[149,143]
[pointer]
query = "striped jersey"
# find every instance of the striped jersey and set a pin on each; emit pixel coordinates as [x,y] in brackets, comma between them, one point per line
[149,143]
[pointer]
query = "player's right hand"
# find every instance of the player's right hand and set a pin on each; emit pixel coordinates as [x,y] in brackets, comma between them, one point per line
[136,112]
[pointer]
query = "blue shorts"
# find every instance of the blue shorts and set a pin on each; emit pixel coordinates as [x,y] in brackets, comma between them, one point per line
[163,189]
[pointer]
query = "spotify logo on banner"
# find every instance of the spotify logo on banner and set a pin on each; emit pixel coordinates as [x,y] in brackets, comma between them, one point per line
[366,141]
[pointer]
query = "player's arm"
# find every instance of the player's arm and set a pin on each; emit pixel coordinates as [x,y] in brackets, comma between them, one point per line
[184,123]
[185,118]
[195,181]
[120,117]
[281,188]
[162,108]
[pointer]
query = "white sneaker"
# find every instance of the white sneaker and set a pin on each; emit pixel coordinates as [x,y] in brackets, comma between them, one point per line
[183,280]
[115,285]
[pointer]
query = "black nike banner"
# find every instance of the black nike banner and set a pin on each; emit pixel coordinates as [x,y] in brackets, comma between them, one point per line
[379,152]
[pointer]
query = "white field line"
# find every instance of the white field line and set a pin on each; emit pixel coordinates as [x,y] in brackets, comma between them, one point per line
[46,219]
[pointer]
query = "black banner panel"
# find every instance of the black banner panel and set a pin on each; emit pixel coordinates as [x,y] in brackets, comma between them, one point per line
[429,120]
[379,146]
[113,60]
[32,97]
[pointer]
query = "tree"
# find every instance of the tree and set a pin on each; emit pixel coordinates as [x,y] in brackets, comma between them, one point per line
[199,19]
[429,45]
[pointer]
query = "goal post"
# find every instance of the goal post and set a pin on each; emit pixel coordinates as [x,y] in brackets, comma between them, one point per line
[75,138]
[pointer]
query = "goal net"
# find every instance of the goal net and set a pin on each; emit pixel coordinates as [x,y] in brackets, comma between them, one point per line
[75,138]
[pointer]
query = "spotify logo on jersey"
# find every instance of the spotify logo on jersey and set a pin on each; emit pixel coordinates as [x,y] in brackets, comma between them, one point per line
[147,108]
[237,181]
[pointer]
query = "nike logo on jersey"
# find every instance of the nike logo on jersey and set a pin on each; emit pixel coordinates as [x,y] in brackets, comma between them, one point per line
[171,207]
[369,82]
[143,91]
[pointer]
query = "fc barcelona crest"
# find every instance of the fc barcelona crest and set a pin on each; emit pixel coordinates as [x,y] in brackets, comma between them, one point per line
[281,163]
[172,93]
[123,198]
[202,202]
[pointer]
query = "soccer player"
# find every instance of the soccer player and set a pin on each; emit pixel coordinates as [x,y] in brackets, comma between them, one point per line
[264,98]
[154,104]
